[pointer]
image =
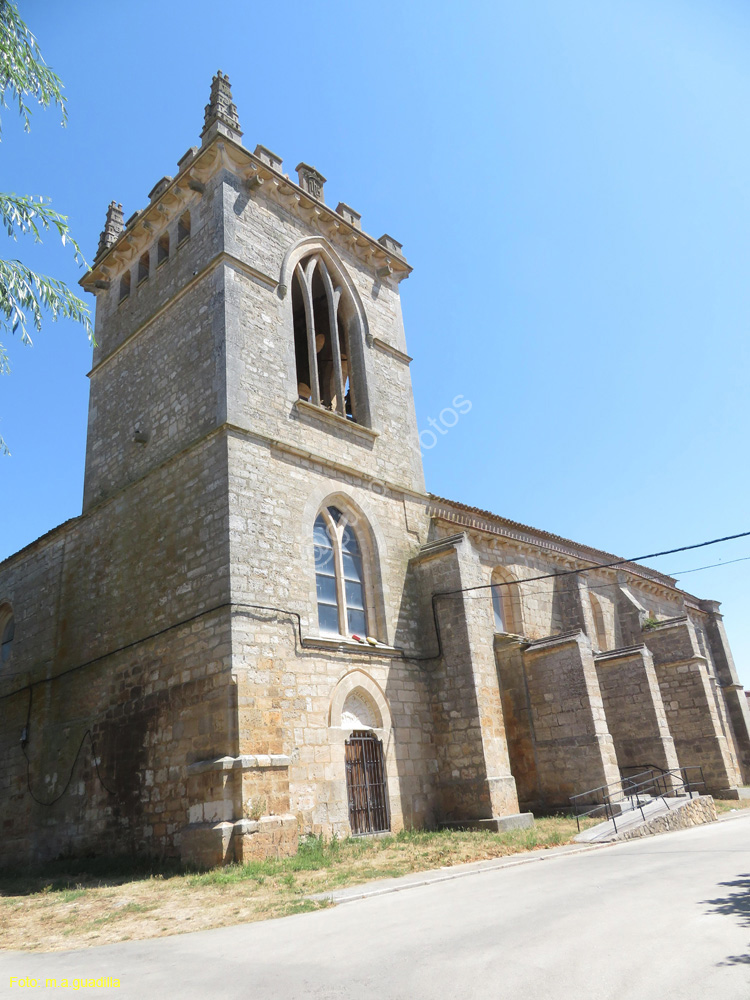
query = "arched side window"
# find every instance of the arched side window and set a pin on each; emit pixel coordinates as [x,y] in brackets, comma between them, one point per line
[321,338]
[599,627]
[7,633]
[506,603]
[497,608]
[144,265]
[339,579]
[183,228]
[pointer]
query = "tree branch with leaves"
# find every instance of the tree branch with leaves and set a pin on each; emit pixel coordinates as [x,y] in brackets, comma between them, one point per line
[26,297]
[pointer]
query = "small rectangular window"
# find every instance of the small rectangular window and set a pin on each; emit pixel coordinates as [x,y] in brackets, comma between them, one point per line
[183,228]
[143,267]
[162,252]
[125,286]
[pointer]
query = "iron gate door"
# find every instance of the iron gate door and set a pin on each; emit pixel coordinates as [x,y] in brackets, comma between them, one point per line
[365,784]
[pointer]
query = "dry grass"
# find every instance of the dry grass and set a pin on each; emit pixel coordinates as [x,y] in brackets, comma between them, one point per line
[731,805]
[83,904]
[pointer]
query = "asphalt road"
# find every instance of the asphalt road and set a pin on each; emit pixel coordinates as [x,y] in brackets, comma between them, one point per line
[666,917]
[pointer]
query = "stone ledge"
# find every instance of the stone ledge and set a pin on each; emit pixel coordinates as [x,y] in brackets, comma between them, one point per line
[263,823]
[438,547]
[667,623]
[571,636]
[390,349]
[334,420]
[495,824]
[245,762]
[621,653]
[343,645]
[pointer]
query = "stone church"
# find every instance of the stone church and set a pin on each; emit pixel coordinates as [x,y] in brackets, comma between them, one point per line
[262,625]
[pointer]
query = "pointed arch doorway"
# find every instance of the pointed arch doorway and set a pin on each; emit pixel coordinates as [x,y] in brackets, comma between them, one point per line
[365,784]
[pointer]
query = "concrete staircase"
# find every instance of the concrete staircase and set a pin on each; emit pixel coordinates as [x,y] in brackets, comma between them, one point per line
[656,815]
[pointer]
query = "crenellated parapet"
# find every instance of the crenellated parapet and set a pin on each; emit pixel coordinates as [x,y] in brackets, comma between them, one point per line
[260,174]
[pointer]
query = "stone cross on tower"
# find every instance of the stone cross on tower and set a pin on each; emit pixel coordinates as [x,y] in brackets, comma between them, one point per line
[112,228]
[221,113]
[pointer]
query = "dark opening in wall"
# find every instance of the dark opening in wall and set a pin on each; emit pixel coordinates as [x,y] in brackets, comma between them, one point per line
[125,286]
[7,634]
[183,228]
[143,267]
[162,249]
[300,341]
[318,315]
[323,345]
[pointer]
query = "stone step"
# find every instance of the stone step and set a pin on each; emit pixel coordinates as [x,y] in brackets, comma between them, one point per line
[658,816]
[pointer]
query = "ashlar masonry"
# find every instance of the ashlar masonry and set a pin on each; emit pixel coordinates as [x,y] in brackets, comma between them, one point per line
[261,625]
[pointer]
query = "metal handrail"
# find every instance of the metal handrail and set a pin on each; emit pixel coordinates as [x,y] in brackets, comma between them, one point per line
[656,781]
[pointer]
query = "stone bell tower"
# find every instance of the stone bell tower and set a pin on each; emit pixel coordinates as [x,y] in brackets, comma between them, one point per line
[250,363]
[200,319]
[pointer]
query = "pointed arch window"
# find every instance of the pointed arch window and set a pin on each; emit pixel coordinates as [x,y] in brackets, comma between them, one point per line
[599,626]
[144,264]
[7,635]
[339,577]
[506,603]
[497,608]
[321,339]
[183,228]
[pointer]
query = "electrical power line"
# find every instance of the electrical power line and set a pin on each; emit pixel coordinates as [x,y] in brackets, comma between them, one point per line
[728,562]
[595,566]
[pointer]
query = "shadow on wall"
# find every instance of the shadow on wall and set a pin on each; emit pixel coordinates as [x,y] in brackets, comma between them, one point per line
[735,904]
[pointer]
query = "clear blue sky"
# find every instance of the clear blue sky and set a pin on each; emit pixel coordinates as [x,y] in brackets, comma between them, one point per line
[570,182]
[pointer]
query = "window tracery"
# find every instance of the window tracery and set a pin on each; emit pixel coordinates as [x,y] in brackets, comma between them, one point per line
[321,339]
[339,577]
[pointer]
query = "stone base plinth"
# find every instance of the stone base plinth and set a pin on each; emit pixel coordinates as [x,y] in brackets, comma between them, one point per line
[495,824]
[267,837]
[209,845]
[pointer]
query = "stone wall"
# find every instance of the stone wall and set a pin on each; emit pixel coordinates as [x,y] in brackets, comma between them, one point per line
[574,751]
[519,720]
[634,710]
[100,649]
[694,812]
[159,363]
[168,675]
[690,704]
[472,757]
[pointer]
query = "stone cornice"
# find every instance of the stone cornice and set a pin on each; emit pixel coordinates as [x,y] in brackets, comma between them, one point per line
[625,651]
[493,524]
[245,762]
[387,348]
[342,644]
[318,414]
[563,638]
[285,447]
[258,176]
[668,623]
[437,547]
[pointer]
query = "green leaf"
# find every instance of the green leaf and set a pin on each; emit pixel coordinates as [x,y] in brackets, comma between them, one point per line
[19,213]
[23,291]
[23,70]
